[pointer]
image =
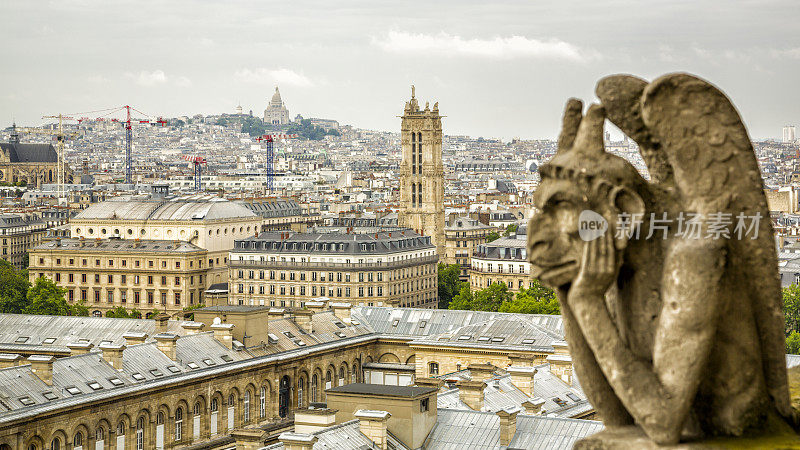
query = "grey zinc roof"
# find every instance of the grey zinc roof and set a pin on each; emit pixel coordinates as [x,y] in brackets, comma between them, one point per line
[323,325]
[408,322]
[345,436]
[172,209]
[502,333]
[468,430]
[382,389]
[119,245]
[792,361]
[335,243]
[68,329]
[29,152]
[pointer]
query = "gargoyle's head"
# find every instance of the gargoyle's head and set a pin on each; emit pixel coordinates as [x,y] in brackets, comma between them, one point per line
[581,184]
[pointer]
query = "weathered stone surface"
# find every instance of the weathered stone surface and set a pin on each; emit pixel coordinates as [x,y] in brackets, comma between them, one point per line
[676,330]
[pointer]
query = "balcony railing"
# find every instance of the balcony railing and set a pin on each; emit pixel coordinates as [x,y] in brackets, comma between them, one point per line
[329,265]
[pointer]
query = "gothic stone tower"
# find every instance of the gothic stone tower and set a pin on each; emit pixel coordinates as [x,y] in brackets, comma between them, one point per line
[421,173]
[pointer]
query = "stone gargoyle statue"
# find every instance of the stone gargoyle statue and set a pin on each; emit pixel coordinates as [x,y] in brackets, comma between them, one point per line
[669,287]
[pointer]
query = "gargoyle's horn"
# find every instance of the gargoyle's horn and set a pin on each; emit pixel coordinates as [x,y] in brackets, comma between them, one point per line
[590,133]
[573,113]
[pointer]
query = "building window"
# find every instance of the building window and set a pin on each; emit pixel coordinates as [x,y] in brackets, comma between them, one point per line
[262,403]
[140,434]
[247,406]
[179,424]
[136,298]
[424,405]
[314,382]
[77,441]
[433,368]
[177,299]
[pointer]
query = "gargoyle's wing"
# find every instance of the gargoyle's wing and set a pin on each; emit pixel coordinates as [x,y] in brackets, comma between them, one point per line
[715,170]
[621,96]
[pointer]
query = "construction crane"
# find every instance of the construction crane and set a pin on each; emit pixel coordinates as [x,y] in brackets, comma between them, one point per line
[60,136]
[197,161]
[270,139]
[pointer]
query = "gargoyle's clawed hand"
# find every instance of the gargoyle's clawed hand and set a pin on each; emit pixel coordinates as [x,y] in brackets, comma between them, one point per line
[598,268]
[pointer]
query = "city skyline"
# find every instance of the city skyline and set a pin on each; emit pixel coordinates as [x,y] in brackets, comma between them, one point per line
[492,78]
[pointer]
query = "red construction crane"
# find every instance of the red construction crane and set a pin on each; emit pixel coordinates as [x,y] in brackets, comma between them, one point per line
[270,138]
[197,161]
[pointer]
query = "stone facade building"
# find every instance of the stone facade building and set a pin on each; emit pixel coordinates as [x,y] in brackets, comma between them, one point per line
[287,269]
[18,234]
[276,112]
[422,173]
[502,261]
[35,164]
[206,389]
[462,237]
[107,273]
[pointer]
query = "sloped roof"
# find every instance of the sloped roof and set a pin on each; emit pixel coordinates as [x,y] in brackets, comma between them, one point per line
[345,436]
[508,333]
[24,153]
[173,209]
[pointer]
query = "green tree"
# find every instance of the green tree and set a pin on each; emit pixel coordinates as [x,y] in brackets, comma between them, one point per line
[510,229]
[46,298]
[488,299]
[449,283]
[14,287]
[793,343]
[493,236]
[538,299]
[135,314]
[791,308]
[119,312]
[80,309]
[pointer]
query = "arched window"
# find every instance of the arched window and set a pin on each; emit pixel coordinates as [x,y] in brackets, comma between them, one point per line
[179,424]
[247,406]
[341,375]
[300,383]
[433,368]
[314,383]
[32,447]
[214,405]
[231,411]
[140,434]
[100,435]
[354,375]
[328,382]
[121,429]
[262,402]
[160,418]
[56,444]
[197,409]
[77,441]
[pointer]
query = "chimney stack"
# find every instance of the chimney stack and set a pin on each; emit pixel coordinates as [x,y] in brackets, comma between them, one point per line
[162,320]
[9,360]
[561,366]
[223,332]
[342,311]
[79,348]
[193,327]
[135,337]
[311,420]
[522,378]
[471,393]
[435,383]
[113,354]
[42,367]
[166,343]
[276,313]
[315,306]
[297,441]
[508,424]
[248,438]
[533,406]
[481,372]
[373,424]
[303,317]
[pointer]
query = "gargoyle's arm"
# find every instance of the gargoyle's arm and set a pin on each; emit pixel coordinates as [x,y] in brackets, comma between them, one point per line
[658,395]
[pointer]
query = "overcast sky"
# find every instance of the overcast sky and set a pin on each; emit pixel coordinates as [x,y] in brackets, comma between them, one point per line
[497,69]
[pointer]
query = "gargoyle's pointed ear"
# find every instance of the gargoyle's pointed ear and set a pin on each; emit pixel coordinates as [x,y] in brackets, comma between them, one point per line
[629,205]
[573,113]
[589,138]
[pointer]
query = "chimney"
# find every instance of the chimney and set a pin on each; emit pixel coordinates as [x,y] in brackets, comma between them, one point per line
[533,406]
[373,425]
[166,343]
[303,317]
[522,378]
[162,320]
[113,354]
[276,313]
[471,393]
[521,359]
[310,420]
[561,366]
[315,306]
[508,424]
[79,348]
[560,347]
[193,327]
[481,372]
[135,337]
[297,441]
[42,367]
[435,383]
[342,311]
[223,332]
[9,360]
[248,438]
